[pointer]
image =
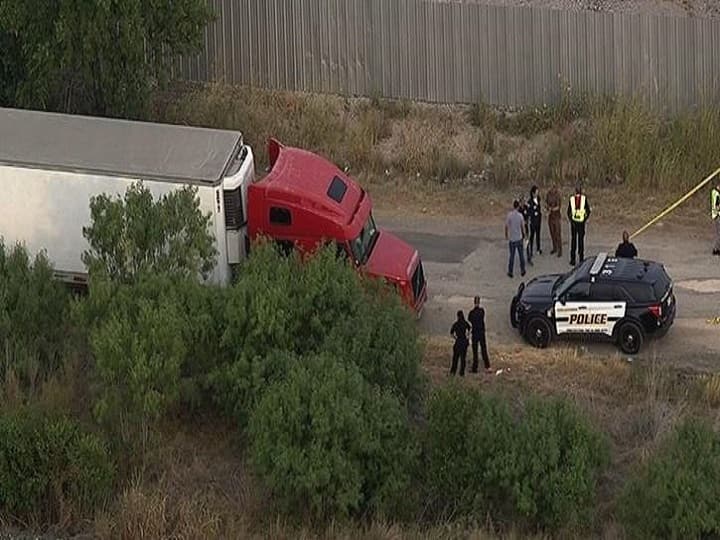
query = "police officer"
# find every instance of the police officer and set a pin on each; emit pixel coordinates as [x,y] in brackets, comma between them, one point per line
[553,202]
[477,320]
[715,213]
[578,212]
[534,221]
[459,331]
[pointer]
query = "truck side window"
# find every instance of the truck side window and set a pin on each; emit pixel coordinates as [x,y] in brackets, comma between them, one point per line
[280,216]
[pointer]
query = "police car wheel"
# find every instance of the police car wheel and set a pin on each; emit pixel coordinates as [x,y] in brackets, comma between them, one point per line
[513,312]
[630,338]
[538,332]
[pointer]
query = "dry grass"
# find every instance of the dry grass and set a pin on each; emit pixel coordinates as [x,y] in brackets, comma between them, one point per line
[458,160]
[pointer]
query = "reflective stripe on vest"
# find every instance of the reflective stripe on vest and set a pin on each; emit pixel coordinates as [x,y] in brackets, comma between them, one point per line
[578,214]
[715,201]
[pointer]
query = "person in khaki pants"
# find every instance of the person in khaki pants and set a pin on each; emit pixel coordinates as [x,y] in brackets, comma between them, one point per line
[553,200]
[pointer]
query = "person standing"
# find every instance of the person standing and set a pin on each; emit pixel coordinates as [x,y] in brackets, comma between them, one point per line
[524,210]
[578,212]
[715,213]
[627,249]
[534,221]
[477,320]
[552,203]
[515,234]
[459,331]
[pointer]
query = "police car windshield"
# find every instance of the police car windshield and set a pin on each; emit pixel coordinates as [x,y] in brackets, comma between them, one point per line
[572,276]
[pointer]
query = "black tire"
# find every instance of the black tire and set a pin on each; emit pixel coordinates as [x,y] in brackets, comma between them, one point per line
[538,332]
[513,312]
[630,337]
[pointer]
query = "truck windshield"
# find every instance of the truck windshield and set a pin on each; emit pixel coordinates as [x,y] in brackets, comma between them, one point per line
[363,245]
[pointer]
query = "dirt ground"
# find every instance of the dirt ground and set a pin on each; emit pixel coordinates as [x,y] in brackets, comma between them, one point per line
[466,256]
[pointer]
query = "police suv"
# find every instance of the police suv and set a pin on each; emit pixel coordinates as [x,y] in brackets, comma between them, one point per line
[621,299]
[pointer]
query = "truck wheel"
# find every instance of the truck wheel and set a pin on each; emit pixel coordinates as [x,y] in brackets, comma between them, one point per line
[630,337]
[538,332]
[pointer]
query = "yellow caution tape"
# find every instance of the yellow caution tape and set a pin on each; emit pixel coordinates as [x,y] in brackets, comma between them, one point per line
[672,207]
[716,321]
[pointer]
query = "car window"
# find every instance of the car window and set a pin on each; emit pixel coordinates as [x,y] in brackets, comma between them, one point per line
[642,293]
[607,292]
[579,292]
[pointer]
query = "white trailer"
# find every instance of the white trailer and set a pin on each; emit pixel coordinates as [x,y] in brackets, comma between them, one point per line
[52,164]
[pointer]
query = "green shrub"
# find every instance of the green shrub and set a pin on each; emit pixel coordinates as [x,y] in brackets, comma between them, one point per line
[541,469]
[676,494]
[138,338]
[558,456]
[327,442]
[49,466]
[137,234]
[33,307]
[283,307]
[467,439]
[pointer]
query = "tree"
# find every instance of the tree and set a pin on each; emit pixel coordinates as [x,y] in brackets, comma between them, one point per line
[98,57]
[136,234]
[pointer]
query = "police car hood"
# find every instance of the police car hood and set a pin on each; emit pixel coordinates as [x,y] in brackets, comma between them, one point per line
[540,287]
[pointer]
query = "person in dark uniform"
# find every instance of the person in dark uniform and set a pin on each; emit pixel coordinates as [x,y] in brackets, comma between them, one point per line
[477,320]
[459,331]
[524,209]
[626,250]
[534,220]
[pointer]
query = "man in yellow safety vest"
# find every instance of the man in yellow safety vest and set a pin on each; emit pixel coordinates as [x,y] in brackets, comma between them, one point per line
[715,213]
[578,212]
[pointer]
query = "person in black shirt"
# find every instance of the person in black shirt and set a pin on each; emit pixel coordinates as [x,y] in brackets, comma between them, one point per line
[477,320]
[459,331]
[626,250]
[534,220]
[524,209]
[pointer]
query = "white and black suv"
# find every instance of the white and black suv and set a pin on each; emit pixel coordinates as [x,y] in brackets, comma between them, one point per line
[625,300]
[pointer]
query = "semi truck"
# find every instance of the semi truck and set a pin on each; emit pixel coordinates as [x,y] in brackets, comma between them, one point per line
[52,164]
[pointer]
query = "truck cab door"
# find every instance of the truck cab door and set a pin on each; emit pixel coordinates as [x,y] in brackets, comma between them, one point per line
[240,175]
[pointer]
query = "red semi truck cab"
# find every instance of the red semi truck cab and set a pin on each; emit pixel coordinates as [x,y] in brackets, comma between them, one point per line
[306,201]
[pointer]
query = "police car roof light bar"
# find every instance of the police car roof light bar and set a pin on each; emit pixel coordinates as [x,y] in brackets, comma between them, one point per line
[598,264]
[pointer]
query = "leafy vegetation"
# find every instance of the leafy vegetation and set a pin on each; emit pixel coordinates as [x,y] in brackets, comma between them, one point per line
[137,234]
[50,466]
[33,310]
[100,57]
[329,443]
[676,494]
[542,468]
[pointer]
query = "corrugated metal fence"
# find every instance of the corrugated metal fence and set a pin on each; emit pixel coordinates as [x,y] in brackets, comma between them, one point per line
[452,52]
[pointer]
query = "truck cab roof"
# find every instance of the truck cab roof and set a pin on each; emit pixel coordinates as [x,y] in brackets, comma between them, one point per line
[110,147]
[311,184]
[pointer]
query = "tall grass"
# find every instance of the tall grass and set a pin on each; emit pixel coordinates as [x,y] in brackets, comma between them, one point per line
[605,142]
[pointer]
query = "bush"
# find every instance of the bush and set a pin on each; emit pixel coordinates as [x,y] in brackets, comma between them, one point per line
[137,234]
[284,307]
[49,466]
[676,494]
[558,456]
[327,442]
[541,469]
[138,335]
[32,311]
[468,437]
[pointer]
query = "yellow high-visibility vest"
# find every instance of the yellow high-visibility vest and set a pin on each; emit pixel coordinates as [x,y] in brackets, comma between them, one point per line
[715,201]
[577,214]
